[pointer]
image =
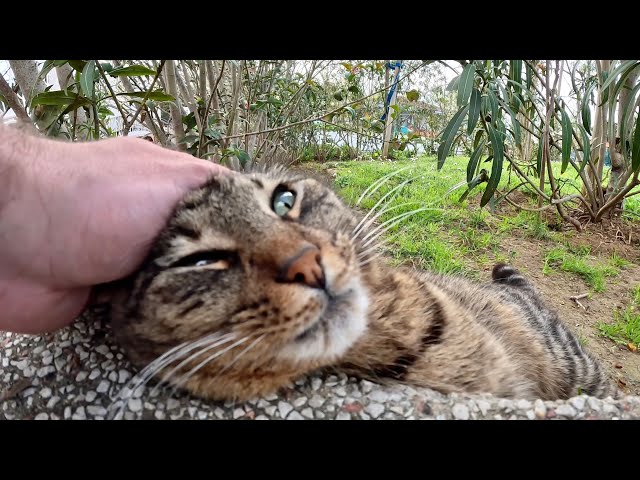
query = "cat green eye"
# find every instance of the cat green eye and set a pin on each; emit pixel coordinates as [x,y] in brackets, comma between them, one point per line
[283,202]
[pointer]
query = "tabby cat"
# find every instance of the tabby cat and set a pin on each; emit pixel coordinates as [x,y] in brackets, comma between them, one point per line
[261,278]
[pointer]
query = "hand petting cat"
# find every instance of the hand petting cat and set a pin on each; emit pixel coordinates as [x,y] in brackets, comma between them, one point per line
[73,215]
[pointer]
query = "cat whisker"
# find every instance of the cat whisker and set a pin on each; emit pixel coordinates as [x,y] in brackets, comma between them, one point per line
[187,376]
[190,358]
[251,345]
[397,188]
[383,227]
[371,189]
[382,212]
[157,365]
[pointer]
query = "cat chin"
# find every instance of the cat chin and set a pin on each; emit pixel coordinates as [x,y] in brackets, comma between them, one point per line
[346,322]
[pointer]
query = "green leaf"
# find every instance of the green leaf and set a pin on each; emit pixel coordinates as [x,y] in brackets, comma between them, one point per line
[586,147]
[493,104]
[474,110]
[473,161]
[453,84]
[529,77]
[242,156]
[189,121]
[449,135]
[515,73]
[496,167]
[77,65]
[213,133]
[158,96]
[353,89]
[132,71]
[413,95]
[87,79]
[58,98]
[352,112]
[539,158]
[191,138]
[625,68]
[105,111]
[338,96]
[567,131]
[635,152]
[586,111]
[515,125]
[478,137]
[625,122]
[465,85]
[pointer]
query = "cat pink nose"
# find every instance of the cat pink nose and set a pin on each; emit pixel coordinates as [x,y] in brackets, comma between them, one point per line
[303,267]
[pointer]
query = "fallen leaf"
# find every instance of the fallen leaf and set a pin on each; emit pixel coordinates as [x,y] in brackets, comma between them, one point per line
[354,407]
[14,390]
[622,382]
[250,415]
[632,346]
[618,365]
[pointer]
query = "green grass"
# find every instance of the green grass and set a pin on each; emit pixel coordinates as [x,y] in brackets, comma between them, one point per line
[449,236]
[626,324]
[442,238]
[576,260]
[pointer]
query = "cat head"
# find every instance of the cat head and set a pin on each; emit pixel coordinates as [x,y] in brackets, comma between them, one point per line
[255,280]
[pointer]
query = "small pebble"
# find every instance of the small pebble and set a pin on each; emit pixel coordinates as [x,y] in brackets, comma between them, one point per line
[460,411]
[284,408]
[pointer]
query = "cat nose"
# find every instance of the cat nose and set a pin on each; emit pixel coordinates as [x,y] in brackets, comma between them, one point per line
[303,267]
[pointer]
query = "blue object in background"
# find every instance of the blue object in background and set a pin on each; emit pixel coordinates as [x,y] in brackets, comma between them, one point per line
[607,159]
[404,130]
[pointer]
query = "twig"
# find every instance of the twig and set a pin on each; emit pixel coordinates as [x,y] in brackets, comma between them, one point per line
[319,117]
[214,91]
[129,124]
[576,298]
[113,94]
[13,100]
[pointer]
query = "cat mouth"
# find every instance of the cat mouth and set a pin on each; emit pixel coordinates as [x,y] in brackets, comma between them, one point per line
[310,331]
[333,305]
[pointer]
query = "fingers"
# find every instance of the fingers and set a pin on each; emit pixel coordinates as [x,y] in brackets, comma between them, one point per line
[33,309]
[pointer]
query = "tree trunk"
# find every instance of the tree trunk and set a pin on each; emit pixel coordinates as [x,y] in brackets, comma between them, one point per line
[175,107]
[65,75]
[26,74]
[14,101]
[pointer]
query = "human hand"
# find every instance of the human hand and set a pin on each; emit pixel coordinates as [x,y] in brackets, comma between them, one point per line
[78,214]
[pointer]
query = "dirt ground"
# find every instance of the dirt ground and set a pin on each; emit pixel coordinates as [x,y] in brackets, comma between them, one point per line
[612,236]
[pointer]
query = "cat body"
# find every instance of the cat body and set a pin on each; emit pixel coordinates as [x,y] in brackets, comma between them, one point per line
[262,278]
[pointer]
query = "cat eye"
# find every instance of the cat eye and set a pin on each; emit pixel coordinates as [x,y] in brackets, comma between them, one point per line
[283,201]
[214,259]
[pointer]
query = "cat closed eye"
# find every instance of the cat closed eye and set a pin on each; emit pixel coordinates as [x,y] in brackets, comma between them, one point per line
[283,201]
[213,259]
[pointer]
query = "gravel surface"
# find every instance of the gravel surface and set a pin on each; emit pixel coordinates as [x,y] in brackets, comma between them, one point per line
[78,372]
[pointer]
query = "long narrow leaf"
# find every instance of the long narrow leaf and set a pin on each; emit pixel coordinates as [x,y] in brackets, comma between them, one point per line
[586,147]
[496,167]
[635,153]
[567,131]
[473,161]
[465,85]
[586,110]
[474,110]
[449,135]
[87,78]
